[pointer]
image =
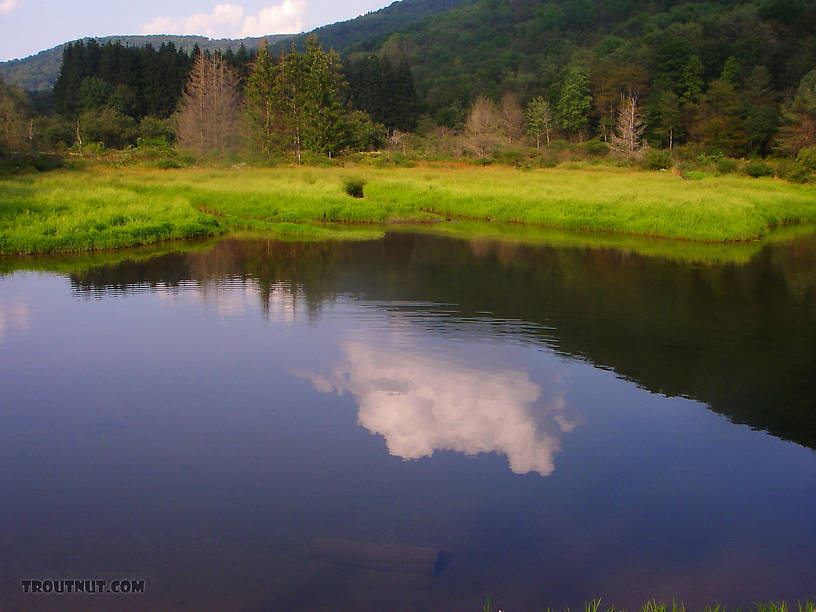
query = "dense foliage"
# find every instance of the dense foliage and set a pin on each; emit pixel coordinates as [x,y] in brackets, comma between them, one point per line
[731,78]
[708,72]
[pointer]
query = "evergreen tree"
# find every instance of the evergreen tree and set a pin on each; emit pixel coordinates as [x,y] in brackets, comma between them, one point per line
[263,109]
[665,117]
[799,117]
[691,81]
[575,101]
[324,129]
[760,110]
[719,124]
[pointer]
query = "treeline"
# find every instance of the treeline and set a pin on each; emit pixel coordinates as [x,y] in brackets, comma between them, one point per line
[700,70]
[486,77]
[116,96]
[293,103]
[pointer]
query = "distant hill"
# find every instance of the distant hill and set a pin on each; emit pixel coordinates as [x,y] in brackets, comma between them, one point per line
[40,71]
[369,31]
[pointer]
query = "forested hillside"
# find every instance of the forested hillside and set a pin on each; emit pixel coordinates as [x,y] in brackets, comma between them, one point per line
[739,53]
[730,77]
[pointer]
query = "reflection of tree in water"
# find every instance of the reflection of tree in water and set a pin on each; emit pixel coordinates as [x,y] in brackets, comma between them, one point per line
[739,338]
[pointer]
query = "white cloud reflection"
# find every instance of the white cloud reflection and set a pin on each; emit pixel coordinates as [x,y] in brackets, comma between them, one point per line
[6,6]
[420,404]
[14,315]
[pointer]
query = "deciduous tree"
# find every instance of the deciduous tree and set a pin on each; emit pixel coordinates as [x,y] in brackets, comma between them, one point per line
[539,120]
[15,125]
[629,125]
[482,126]
[575,102]
[512,117]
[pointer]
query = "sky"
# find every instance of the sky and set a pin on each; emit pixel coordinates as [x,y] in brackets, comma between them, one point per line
[30,26]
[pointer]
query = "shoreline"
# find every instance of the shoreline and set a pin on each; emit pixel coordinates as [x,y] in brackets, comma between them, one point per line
[70,211]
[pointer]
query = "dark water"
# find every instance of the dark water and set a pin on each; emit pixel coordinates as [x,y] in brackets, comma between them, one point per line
[282,426]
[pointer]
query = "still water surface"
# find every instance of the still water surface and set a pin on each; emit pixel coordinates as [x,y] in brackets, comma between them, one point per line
[409,423]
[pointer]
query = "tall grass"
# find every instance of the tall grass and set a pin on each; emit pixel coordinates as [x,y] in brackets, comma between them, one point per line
[655,606]
[104,208]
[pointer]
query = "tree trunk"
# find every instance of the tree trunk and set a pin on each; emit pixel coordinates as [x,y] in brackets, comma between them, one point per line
[79,138]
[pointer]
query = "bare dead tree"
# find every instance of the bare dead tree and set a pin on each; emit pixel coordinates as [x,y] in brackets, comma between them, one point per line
[395,141]
[482,126]
[512,117]
[629,126]
[208,112]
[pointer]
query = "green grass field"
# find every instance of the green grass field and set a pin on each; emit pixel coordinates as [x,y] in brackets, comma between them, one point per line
[99,208]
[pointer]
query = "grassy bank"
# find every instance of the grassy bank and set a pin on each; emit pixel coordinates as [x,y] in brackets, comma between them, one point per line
[72,210]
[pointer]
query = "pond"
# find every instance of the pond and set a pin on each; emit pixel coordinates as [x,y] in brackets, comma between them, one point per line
[411,422]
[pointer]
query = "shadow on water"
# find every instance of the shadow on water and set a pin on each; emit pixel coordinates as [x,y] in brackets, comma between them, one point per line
[245,415]
[736,336]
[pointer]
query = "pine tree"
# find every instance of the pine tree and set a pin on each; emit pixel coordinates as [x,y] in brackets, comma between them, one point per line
[208,111]
[324,130]
[263,110]
[691,83]
[799,117]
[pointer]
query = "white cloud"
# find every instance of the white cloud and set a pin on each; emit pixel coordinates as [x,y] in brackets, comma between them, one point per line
[6,6]
[286,18]
[230,21]
[420,405]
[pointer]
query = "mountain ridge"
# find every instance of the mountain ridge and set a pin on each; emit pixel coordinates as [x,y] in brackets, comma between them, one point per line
[40,71]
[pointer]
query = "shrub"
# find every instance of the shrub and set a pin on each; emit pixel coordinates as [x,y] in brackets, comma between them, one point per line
[155,131]
[44,162]
[726,165]
[511,157]
[758,169]
[354,187]
[556,146]
[595,148]
[545,161]
[807,158]
[797,173]
[165,163]
[657,159]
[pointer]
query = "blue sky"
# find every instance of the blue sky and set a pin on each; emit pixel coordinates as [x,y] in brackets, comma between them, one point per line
[29,26]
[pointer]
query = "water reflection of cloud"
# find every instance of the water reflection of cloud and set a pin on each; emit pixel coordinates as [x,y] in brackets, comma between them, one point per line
[14,315]
[420,404]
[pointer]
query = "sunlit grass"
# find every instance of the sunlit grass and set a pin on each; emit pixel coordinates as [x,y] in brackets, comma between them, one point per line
[654,606]
[101,208]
